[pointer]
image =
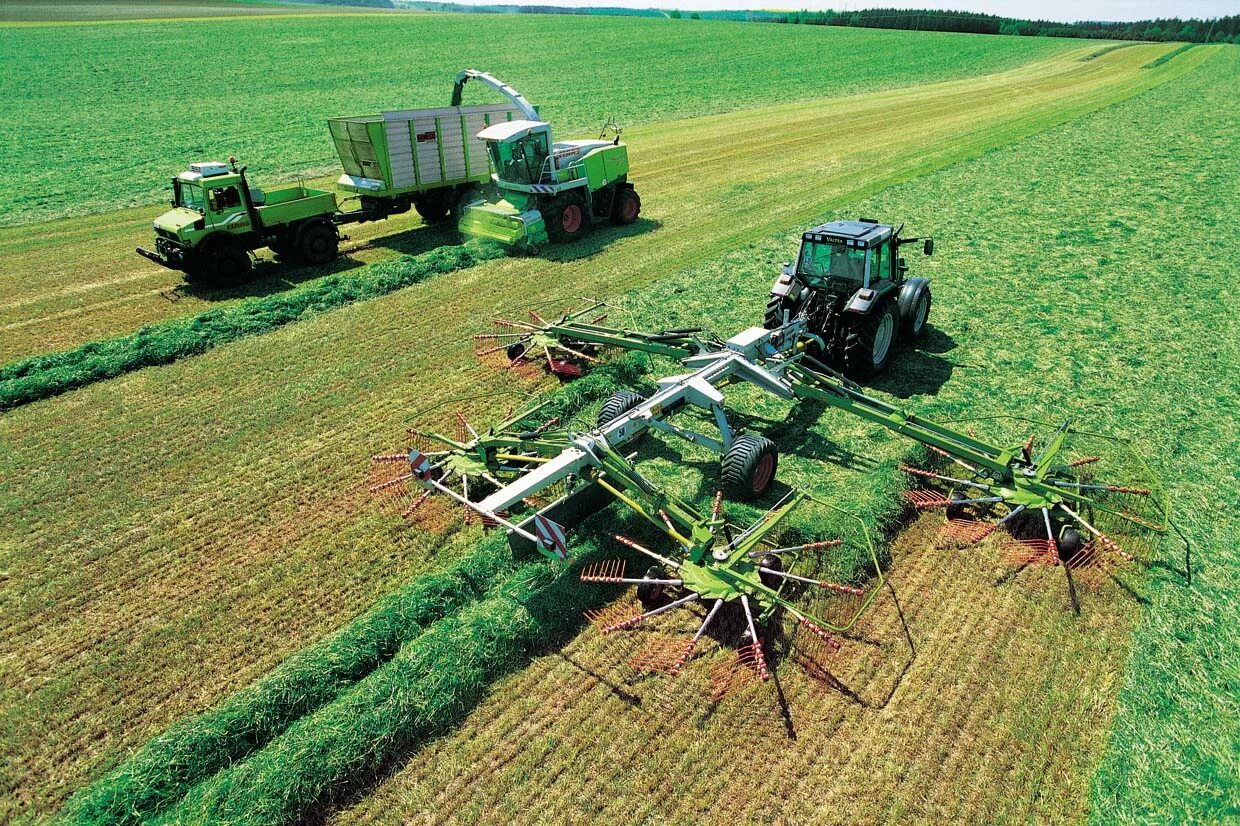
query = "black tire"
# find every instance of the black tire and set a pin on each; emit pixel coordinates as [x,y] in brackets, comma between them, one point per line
[1069,542]
[913,326]
[617,405]
[775,308]
[318,243]
[864,352]
[626,207]
[955,511]
[464,197]
[651,595]
[770,562]
[749,467]
[566,219]
[224,264]
[433,210]
[282,249]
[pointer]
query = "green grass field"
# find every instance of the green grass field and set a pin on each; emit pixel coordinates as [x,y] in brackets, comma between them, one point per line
[174,534]
[109,128]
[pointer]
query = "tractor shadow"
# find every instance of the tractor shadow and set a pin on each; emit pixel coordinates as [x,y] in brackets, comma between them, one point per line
[919,370]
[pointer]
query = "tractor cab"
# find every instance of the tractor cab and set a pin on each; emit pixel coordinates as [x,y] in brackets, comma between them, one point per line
[519,150]
[849,283]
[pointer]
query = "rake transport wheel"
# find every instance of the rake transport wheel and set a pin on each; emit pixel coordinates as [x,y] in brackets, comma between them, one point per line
[871,342]
[617,405]
[566,219]
[749,467]
[627,207]
[318,242]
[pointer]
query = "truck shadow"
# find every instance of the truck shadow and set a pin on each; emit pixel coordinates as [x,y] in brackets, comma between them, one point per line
[273,276]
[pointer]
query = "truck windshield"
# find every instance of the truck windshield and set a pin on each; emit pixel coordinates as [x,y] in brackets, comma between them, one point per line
[520,161]
[189,196]
[821,260]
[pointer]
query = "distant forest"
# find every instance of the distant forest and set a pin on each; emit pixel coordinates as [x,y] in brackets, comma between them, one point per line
[1220,30]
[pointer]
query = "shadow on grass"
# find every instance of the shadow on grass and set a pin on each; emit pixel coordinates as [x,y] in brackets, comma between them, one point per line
[919,370]
[273,275]
[598,240]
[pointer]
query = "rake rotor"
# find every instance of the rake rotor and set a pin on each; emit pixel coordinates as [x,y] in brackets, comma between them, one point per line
[535,341]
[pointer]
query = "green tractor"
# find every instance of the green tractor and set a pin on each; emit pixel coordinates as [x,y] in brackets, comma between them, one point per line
[217,218]
[851,284]
[548,190]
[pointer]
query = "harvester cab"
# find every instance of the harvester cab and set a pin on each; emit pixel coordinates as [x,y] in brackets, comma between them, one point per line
[852,285]
[547,190]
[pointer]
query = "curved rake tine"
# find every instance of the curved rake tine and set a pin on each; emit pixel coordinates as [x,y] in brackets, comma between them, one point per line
[1106,541]
[688,652]
[759,656]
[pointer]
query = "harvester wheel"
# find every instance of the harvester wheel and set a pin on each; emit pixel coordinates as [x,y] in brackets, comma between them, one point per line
[749,467]
[318,242]
[871,342]
[224,264]
[617,405]
[649,594]
[627,207]
[566,219]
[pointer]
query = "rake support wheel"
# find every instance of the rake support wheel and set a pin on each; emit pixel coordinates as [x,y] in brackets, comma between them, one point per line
[617,405]
[749,467]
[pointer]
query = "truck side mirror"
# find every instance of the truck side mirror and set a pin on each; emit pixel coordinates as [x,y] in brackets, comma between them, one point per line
[928,247]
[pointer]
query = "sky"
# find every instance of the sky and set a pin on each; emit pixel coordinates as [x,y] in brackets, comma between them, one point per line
[1065,10]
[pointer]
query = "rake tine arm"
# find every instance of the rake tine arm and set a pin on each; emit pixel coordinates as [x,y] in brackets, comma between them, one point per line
[624,540]
[821,583]
[688,652]
[1106,541]
[808,546]
[634,621]
[932,475]
[757,643]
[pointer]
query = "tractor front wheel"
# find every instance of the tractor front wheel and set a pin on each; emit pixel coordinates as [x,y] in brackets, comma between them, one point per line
[749,467]
[871,342]
[566,220]
[626,208]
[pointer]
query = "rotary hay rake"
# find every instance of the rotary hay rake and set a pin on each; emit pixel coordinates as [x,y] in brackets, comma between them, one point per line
[1047,497]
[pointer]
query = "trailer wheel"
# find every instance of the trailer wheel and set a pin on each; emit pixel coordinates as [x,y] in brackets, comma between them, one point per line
[224,264]
[871,342]
[318,242]
[433,211]
[566,219]
[626,207]
[749,467]
[617,405]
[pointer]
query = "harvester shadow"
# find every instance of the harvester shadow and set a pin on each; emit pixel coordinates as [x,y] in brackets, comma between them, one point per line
[597,241]
[919,370]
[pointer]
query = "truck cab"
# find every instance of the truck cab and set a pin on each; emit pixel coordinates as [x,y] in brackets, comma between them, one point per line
[852,284]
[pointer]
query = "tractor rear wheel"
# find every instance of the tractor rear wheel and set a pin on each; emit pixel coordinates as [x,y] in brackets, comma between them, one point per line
[318,242]
[617,405]
[749,467]
[871,342]
[775,309]
[915,324]
[626,208]
[566,219]
[224,264]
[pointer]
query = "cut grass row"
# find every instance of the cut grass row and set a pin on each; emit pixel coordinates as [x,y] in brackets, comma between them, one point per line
[40,377]
[224,527]
[196,748]
[107,128]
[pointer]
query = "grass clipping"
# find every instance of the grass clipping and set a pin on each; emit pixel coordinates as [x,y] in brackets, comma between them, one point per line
[40,377]
[161,772]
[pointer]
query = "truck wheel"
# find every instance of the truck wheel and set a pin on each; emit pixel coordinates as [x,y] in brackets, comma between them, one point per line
[749,467]
[224,264]
[318,243]
[626,208]
[566,220]
[871,342]
[433,211]
[617,405]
